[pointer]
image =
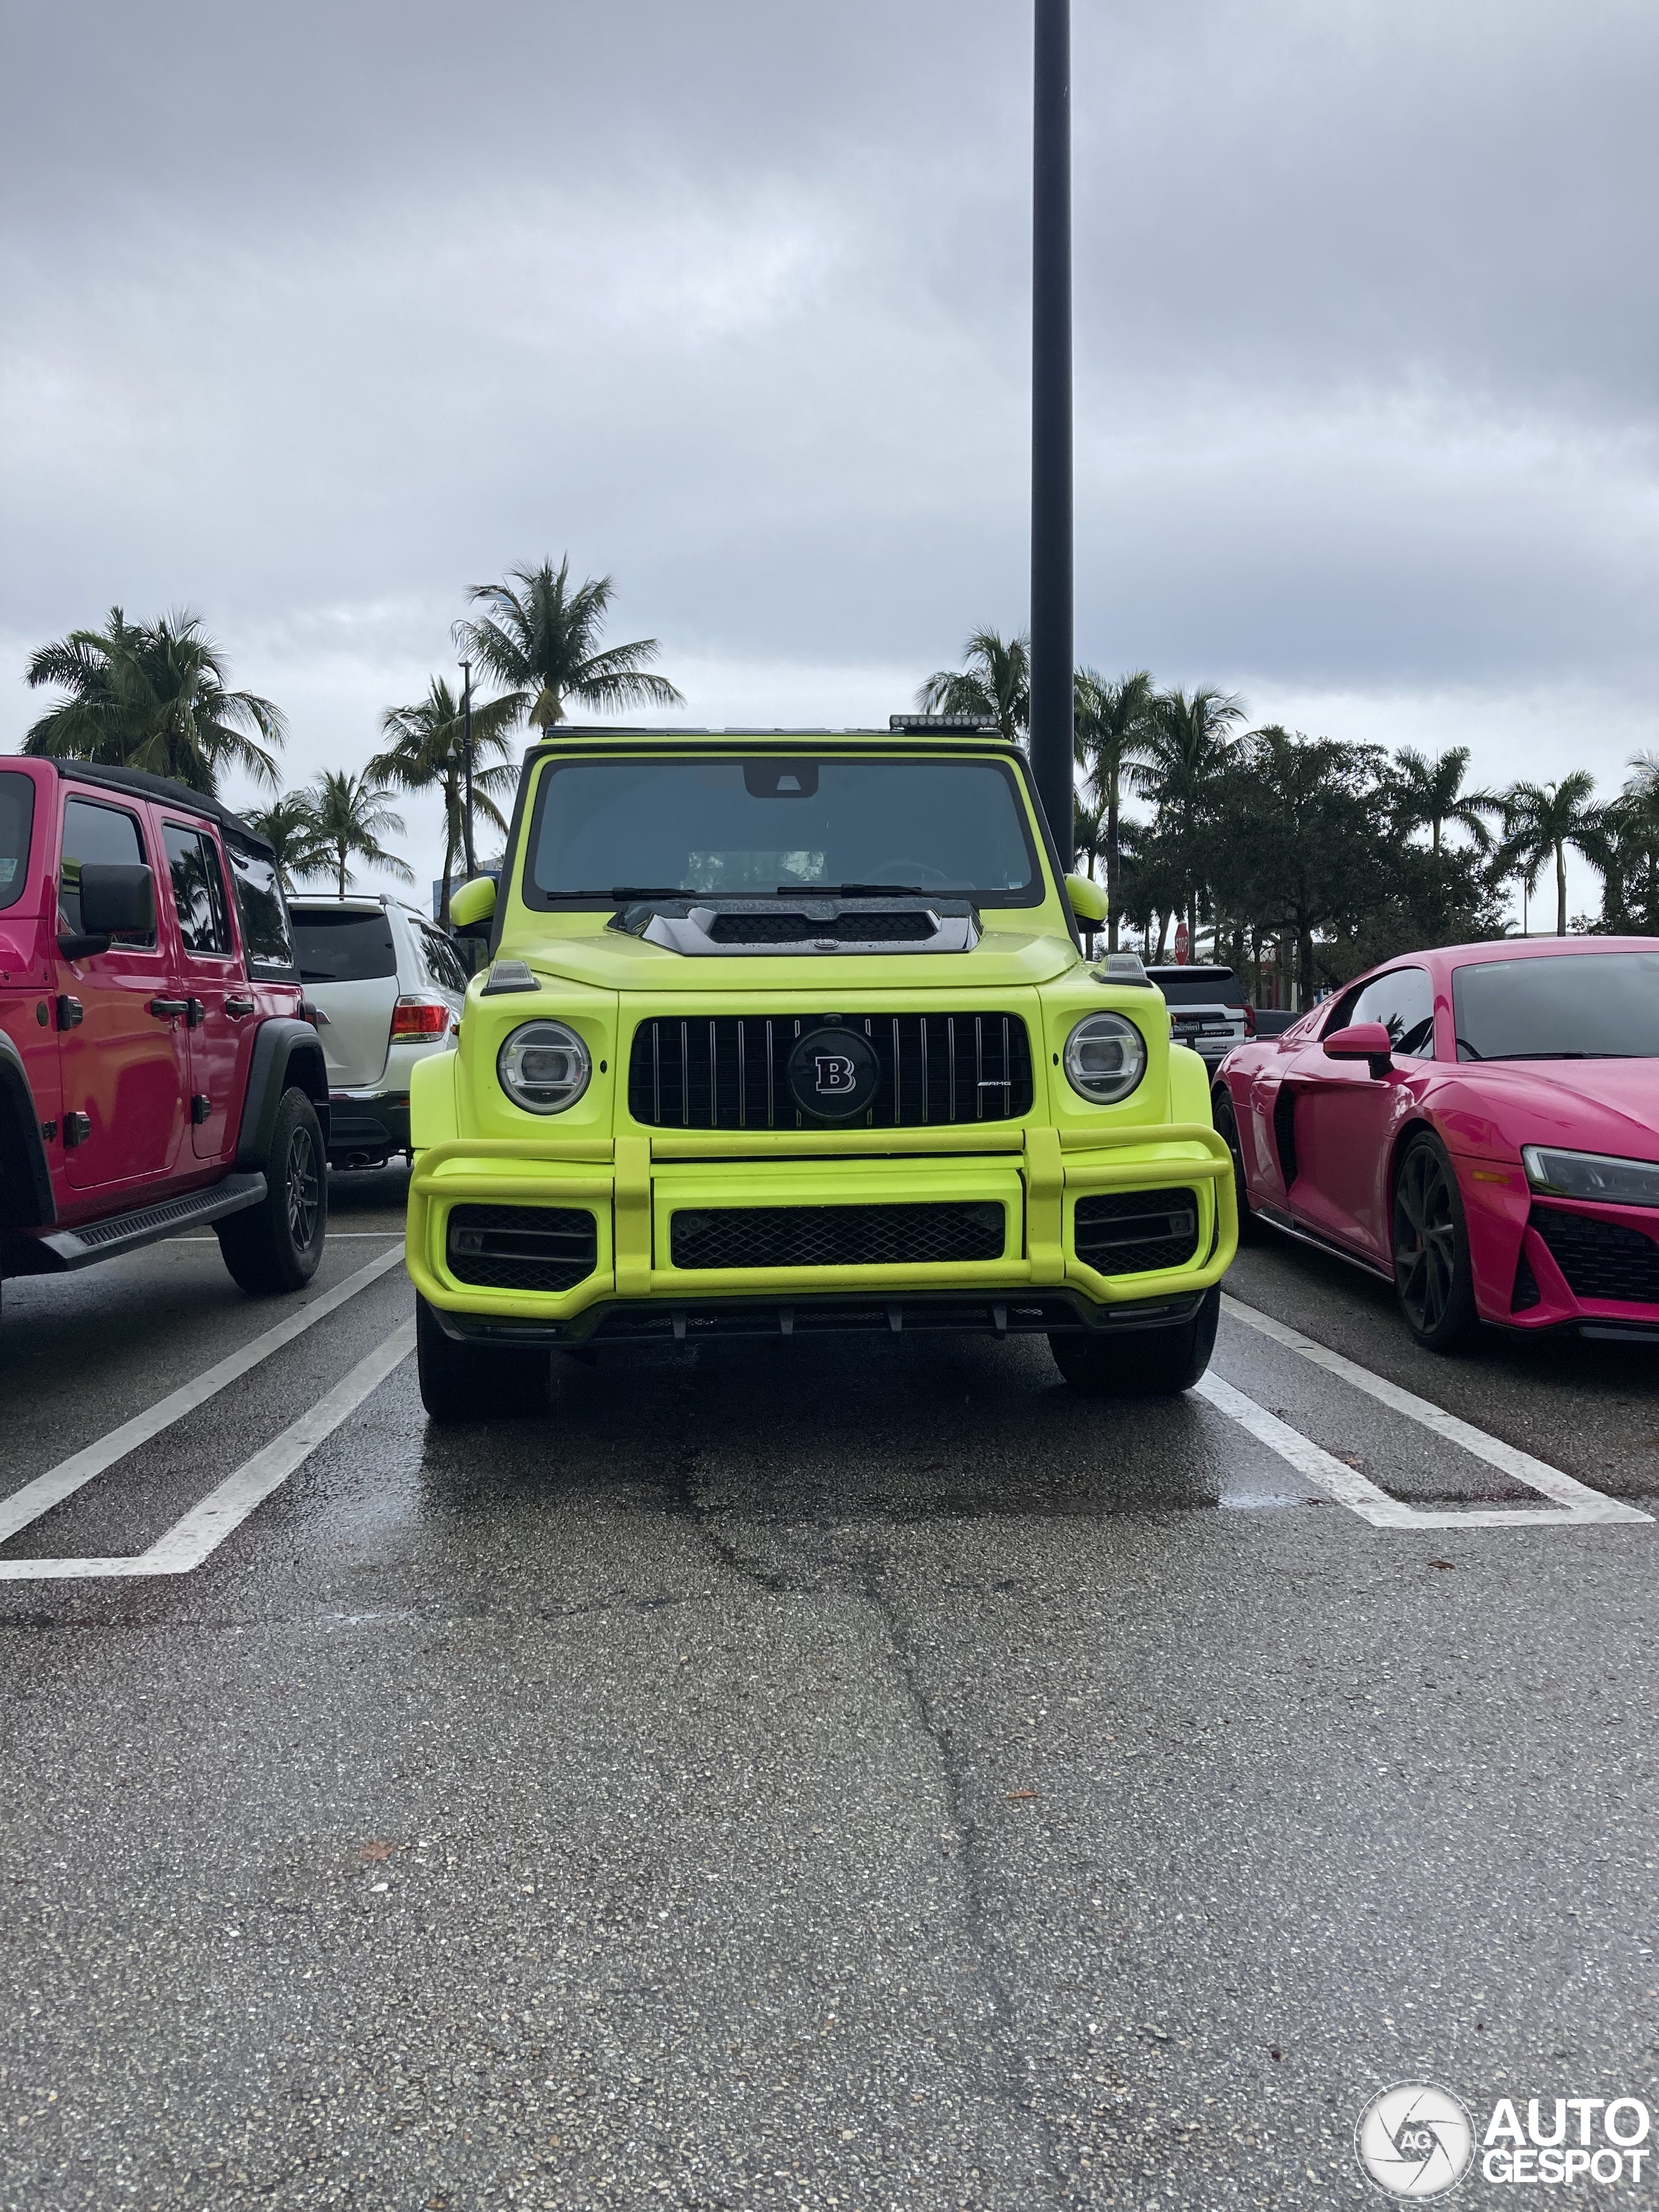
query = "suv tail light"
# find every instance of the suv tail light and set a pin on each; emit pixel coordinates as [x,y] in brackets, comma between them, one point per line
[1249,1020]
[422,1017]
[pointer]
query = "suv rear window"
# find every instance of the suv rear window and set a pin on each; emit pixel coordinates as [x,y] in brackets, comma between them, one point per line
[339,946]
[1198,986]
[16,820]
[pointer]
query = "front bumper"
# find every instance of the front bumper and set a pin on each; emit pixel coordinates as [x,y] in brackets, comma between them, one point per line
[633,1187]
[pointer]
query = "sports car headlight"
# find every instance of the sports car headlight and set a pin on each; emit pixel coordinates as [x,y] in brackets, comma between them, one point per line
[544,1067]
[1592,1175]
[1105,1058]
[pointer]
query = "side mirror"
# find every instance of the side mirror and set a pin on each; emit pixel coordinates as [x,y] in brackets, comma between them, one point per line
[472,908]
[1088,900]
[1362,1041]
[118,899]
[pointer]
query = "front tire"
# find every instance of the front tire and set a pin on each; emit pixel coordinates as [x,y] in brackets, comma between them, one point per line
[476,1382]
[1433,1276]
[1143,1363]
[1226,1127]
[274,1247]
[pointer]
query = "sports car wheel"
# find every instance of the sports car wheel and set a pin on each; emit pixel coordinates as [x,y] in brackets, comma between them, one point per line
[1226,1124]
[1431,1270]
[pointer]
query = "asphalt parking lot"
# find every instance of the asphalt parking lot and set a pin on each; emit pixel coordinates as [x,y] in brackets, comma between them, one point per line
[825,1773]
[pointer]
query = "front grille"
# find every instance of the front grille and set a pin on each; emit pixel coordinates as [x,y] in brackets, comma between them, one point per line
[862,928]
[1600,1259]
[522,1248]
[1126,1232]
[837,1235]
[727,1072]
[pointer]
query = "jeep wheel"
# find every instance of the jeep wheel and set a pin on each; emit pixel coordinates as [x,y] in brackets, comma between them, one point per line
[476,1382]
[276,1245]
[1143,1363]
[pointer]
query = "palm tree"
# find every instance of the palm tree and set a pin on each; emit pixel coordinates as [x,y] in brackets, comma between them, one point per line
[1540,820]
[288,825]
[996,683]
[350,811]
[542,640]
[1188,738]
[427,752]
[1430,793]
[153,696]
[1109,724]
[1627,851]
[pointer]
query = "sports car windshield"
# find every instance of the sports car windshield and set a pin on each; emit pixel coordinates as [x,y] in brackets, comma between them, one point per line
[625,829]
[1570,1005]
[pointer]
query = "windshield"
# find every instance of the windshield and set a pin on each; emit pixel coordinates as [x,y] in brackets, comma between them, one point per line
[1576,1005]
[16,819]
[610,830]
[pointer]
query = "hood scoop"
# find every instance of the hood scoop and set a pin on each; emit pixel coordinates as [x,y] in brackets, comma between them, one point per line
[739,928]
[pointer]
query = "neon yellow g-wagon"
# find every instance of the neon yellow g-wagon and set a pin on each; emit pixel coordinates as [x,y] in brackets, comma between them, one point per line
[785,1032]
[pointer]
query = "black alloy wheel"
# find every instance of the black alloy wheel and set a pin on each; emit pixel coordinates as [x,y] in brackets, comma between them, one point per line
[1226,1124]
[1433,1273]
[276,1245]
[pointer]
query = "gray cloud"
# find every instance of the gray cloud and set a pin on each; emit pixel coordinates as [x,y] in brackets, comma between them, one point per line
[318,314]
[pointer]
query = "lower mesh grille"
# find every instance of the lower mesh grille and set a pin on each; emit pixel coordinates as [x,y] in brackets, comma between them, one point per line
[837,1235]
[1128,1232]
[522,1248]
[1600,1259]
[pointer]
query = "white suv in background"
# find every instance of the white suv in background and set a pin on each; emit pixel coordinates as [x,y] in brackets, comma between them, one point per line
[386,988]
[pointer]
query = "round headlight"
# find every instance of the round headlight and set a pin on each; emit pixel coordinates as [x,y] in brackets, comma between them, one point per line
[544,1067]
[1105,1058]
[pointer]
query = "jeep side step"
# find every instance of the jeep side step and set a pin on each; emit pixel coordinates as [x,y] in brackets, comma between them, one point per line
[147,1224]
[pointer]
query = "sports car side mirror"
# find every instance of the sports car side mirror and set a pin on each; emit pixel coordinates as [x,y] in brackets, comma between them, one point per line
[1362,1041]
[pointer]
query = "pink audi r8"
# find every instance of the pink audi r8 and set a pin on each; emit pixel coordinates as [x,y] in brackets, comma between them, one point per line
[1481,1125]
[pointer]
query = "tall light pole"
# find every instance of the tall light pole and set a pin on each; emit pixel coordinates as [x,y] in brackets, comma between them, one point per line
[1051,419]
[466,771]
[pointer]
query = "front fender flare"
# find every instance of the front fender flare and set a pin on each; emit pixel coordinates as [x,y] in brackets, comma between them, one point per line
[286,1055]
[26,1193]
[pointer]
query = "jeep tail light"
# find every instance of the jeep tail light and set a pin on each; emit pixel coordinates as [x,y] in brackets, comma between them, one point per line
[422,1017]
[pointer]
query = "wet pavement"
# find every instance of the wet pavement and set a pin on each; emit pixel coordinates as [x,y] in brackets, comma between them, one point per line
[814,1774]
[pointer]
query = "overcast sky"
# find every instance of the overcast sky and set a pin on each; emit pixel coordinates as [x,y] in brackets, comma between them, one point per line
[315,314]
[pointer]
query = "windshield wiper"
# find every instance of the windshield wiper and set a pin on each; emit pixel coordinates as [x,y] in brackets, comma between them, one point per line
[643,890]
[852,890]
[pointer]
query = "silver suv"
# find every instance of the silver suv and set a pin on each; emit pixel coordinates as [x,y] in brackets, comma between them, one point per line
[1206,1010]
[386,988]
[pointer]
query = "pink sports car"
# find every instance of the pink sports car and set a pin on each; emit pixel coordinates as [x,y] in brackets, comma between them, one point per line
[1481,1125]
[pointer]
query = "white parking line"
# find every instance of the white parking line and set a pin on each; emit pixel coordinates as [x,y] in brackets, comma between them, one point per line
[61,1481]
[205,1527]
[1577,1503]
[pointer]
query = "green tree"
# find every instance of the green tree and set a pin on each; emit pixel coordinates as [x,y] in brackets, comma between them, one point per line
[1429,794]
[427,751]
[541,639]
[290,825]
[996,685]
[1111,729]
[1540,821]
[1628,853]
[155,696]
[350,812]
[1187,741]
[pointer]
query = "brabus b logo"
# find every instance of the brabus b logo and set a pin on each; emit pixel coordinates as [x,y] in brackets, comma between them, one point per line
[837,1074]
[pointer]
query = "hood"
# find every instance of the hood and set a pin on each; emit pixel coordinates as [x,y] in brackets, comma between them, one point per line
[613,960]
[1584,1105]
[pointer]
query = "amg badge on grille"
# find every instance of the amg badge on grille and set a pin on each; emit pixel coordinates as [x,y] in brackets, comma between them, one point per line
[833,1074]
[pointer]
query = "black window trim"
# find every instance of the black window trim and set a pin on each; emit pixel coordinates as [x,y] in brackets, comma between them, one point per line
[74,798]
[199,828]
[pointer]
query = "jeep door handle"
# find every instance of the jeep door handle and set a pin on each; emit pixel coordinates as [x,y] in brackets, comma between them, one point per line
[167,1009]
[237,1007]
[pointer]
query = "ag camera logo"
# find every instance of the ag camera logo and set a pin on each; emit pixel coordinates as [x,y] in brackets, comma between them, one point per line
[1415,2140]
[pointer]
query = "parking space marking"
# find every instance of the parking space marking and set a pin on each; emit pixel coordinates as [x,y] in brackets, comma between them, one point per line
[205,1527]
[59,1482]
[1574,1503]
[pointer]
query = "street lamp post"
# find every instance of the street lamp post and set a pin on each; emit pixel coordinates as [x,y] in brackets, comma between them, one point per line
[1051,419]
[466,771]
